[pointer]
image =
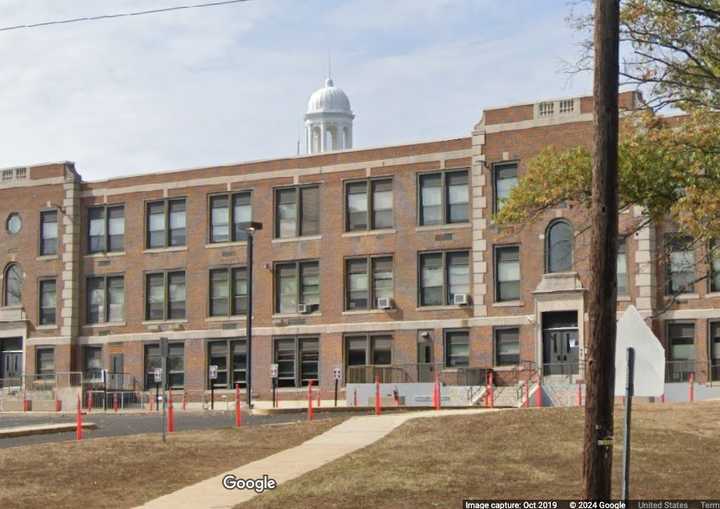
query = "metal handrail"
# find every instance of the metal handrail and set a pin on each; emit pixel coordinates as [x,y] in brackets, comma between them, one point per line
[417,373]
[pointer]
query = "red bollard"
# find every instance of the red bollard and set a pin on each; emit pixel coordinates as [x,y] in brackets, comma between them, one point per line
[310,403]
[238,418]
[58,405]
[491,396]
[437,395]
[78,421]
[184,401]
[115,403]
[526,403]
[378,404]
[691,387]
[538,395]
[318,396]
[662,398]
[579,395]
[89,401]
[355,398]
[171,414]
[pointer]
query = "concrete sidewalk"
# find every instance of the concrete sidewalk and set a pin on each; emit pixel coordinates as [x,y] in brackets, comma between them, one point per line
[347,437]
[42,429]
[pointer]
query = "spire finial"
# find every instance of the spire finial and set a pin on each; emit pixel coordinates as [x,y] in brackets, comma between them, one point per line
[329,81]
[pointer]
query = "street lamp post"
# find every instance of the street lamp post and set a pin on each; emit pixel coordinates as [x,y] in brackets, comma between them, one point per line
[249,228]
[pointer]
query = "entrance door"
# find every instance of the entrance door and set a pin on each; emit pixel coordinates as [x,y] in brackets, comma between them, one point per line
[560,343]
[11,364]
[426,372]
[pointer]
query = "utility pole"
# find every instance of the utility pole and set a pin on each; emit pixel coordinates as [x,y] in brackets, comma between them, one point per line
[602,301]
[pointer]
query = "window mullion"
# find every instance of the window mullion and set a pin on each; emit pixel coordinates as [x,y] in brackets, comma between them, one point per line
[369,200]
[446,277]
[444,197]
[106,304]
[368,265]
[167,222]
[298,277]
[231,225]
[298,211]
[166,289]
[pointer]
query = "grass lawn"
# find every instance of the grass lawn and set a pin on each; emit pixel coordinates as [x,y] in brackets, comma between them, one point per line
[127,471]
[437,462]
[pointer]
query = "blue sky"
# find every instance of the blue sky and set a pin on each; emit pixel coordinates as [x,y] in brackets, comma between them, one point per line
[229,84]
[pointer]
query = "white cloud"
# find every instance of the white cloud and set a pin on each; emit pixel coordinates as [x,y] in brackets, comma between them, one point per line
[230,84]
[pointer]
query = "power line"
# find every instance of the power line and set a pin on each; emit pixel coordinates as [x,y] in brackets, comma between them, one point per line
[122,15]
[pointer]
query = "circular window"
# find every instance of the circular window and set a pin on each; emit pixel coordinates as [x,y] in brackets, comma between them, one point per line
[14,223]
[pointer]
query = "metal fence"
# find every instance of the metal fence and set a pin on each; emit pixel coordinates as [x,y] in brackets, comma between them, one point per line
[113,381]
[416,373]
[41,382]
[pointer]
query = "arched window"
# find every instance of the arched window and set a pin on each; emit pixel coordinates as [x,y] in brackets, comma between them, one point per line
[13,285]
[559,247]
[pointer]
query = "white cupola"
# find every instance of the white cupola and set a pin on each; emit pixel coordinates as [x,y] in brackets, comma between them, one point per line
[329,120]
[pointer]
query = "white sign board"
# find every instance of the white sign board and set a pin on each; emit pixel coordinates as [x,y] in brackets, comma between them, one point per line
[213,372]
[158,375]
[273,370]
[338,373]
[632,331]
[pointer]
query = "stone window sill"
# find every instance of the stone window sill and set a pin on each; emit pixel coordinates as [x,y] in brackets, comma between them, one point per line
[368,311]
[450,226]
[163,322]
[442,308]
[686,296]
[296,239]
[624,298]
[47,258]
[46,327]
[509,304]
[220,245]
[103,325]
[368,233]
[295,315]
[234,318]
[105,255]
[172,249]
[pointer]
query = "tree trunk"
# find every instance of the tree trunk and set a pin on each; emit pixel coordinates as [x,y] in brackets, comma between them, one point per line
[600,375]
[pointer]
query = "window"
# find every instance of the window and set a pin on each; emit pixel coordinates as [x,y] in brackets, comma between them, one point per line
[105,299]
[93,362]
[715,267]
[558,247]
[368,349]
[297,212]
[367,280]
[297,359]
[228,291]
[444,198]
[166,223]
[13,285]
[369,205]
[175,365]
[45,363]
[297,283]
[506,179]
[507,347]
[681,340]
[622,275]
[227,214]
[106,229]
[165,296]
[48,232]
[442,276]
[680,265]
[228,354]
[715,350]
[457,349]
[507,273]
[48,301]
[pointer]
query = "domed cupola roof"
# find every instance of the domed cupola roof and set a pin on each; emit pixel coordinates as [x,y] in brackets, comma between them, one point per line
[329,99]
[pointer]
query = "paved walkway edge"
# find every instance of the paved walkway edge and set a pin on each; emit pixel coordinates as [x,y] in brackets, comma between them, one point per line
[345,438]
[42,429]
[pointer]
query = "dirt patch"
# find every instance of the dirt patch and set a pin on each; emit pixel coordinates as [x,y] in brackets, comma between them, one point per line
[518,454]
[127,471]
